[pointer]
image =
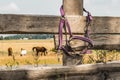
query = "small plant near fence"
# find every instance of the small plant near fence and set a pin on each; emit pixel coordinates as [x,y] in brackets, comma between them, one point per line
[36,60]
[101,56]
[54,50]
[12,64]
[114,55]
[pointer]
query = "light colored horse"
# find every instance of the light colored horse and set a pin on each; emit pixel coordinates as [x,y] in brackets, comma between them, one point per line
[23,52]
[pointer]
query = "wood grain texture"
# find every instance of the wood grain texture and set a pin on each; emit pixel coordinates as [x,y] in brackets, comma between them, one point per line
[73,7]
[49,24]
[88,71]
[106,41]
[105,31]
[100,41]
[28,24]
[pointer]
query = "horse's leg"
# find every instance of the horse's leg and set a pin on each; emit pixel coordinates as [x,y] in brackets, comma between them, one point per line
[44,53]
[37,53]
[41,53]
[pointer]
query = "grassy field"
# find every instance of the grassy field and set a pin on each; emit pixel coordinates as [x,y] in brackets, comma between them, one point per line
[26,44]
[51,57]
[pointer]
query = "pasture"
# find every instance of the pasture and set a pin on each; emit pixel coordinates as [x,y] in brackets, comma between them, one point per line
[55,73]
[51,58]
[29,59]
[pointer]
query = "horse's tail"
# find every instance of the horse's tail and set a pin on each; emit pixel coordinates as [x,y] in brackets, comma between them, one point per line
[33,48]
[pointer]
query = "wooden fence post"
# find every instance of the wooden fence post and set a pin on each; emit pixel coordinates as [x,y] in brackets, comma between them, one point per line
[72,8]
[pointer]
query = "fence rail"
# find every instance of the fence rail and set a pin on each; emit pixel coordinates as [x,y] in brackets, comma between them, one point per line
[82,72]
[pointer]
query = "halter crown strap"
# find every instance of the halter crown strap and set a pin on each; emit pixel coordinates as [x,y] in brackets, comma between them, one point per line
[89,16]
[64,23]
[62,11]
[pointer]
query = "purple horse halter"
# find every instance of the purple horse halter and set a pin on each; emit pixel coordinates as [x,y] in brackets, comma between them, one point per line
[65,24]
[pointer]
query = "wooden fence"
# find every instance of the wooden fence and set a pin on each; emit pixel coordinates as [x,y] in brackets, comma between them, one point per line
[109,71]
[105,33]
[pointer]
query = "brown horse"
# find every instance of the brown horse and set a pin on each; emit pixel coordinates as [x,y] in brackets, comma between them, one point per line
[10,51]
[40,49]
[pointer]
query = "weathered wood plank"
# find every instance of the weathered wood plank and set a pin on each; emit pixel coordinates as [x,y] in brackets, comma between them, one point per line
[105,30]
[98,25]
[101,41]
[106,25]
[106,41]
[28,24]
[49,24]
[85,72]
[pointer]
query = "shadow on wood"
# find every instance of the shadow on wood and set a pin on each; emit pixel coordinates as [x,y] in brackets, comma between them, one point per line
[82,72]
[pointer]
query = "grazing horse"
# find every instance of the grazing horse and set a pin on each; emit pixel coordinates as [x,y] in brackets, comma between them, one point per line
[40,49]
[10,51]
[23,52]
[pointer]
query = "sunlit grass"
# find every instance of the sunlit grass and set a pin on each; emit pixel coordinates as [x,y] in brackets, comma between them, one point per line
[101,56]
[30,59]
[51,58]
